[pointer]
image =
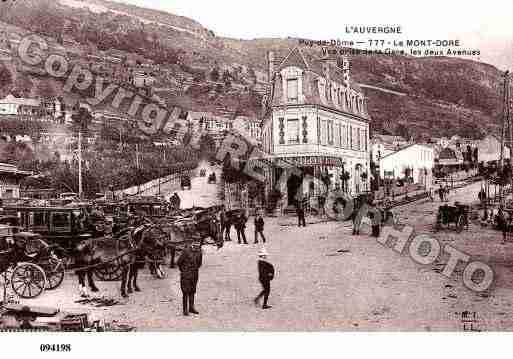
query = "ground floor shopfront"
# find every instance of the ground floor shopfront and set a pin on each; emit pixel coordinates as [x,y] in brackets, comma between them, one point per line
[309,177]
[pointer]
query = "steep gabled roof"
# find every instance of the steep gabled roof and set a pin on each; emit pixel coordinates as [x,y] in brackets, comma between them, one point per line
[294,58]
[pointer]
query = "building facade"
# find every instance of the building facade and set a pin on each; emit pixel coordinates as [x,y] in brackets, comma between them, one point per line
[489,150]
[316,119]
[416,161]
[10,178]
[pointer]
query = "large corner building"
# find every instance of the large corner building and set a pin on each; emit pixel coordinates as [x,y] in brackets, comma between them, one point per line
[316,118]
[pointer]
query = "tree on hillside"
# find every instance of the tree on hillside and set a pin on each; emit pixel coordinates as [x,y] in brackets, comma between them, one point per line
[81,118]
[22,86]
[5,78]
[402,130]
[214,74]
[207,144]
[45,89]
[226,76]
[252,75]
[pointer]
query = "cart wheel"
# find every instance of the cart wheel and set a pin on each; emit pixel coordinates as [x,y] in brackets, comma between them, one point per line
[460,223]
[54,271]
[438,223]
[28,280]
[108,273]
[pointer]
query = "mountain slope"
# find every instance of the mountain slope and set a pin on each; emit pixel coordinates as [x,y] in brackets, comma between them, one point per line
[442,96]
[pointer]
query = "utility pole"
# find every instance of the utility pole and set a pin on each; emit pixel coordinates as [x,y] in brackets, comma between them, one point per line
[510,130]
[120,139]
[137,166]
[80,164]
[505,120]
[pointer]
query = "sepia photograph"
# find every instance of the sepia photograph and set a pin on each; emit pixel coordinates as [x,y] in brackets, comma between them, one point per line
[254,167]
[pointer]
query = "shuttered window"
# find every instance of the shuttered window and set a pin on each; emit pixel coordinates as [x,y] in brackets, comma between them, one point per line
[293,131]
[292,90]
[324,132]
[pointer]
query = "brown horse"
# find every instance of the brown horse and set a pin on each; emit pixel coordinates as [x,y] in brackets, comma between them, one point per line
[202,226]
[127,252]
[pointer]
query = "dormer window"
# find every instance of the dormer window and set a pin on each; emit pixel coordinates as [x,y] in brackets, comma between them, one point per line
[292,90]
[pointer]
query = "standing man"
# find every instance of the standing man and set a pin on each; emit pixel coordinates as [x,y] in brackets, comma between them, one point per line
[265,276]
[189,263]
[441,193]
[376,221]
[300,210]
[356,218]
[226,225]
[240,226]
[322,202]
[177,200]
[259,227]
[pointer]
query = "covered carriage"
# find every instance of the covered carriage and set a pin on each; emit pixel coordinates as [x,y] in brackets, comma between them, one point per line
[457,215]
[27,263]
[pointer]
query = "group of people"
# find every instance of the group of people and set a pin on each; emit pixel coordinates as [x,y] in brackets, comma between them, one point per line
[500,220]
[443,192]
[190,262]
[373,213]
[240,226]
[175,201]
[482,195]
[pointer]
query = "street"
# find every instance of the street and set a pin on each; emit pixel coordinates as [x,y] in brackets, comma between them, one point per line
[326,279]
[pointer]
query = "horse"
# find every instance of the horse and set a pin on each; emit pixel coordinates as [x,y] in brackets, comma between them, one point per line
[229,218]
[131,247]
[201,226]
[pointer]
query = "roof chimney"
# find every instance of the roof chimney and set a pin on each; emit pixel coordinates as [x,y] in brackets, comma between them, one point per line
[345,70]
[270,59]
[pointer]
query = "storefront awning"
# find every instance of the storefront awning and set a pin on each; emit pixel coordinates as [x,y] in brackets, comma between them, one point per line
[304,161]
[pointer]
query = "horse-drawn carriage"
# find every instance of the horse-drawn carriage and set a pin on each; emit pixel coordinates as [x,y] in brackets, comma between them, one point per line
[60,226]
[212,178]
[28,263]
[458,215]
[185,182]
[184,226]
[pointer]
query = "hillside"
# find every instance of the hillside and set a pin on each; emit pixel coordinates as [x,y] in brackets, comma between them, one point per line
[442,96]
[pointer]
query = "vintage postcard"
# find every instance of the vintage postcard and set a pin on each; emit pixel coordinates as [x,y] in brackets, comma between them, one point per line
[265,166]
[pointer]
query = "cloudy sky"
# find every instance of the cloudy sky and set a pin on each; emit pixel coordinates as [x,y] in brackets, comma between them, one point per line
[484,25]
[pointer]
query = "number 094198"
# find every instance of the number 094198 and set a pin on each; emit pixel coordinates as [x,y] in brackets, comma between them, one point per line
[55,347]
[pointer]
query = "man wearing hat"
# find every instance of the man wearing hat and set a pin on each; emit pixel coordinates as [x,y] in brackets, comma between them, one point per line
[189,263]
[265,276]
[240,226]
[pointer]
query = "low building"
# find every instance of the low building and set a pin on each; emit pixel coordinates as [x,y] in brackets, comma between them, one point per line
[10,178]
[11,105]
[450,156]
[489,149]
[251,126]
[415,160]
[141,79]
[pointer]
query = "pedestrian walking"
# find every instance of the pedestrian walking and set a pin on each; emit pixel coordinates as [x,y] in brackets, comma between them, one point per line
[357,221]
[226,225]
[189,263]
[446,193]
[375,221]
[259,227]
[501,223]
[441,193]
[484,218]
[240,226]
[265,276]
[300,211]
